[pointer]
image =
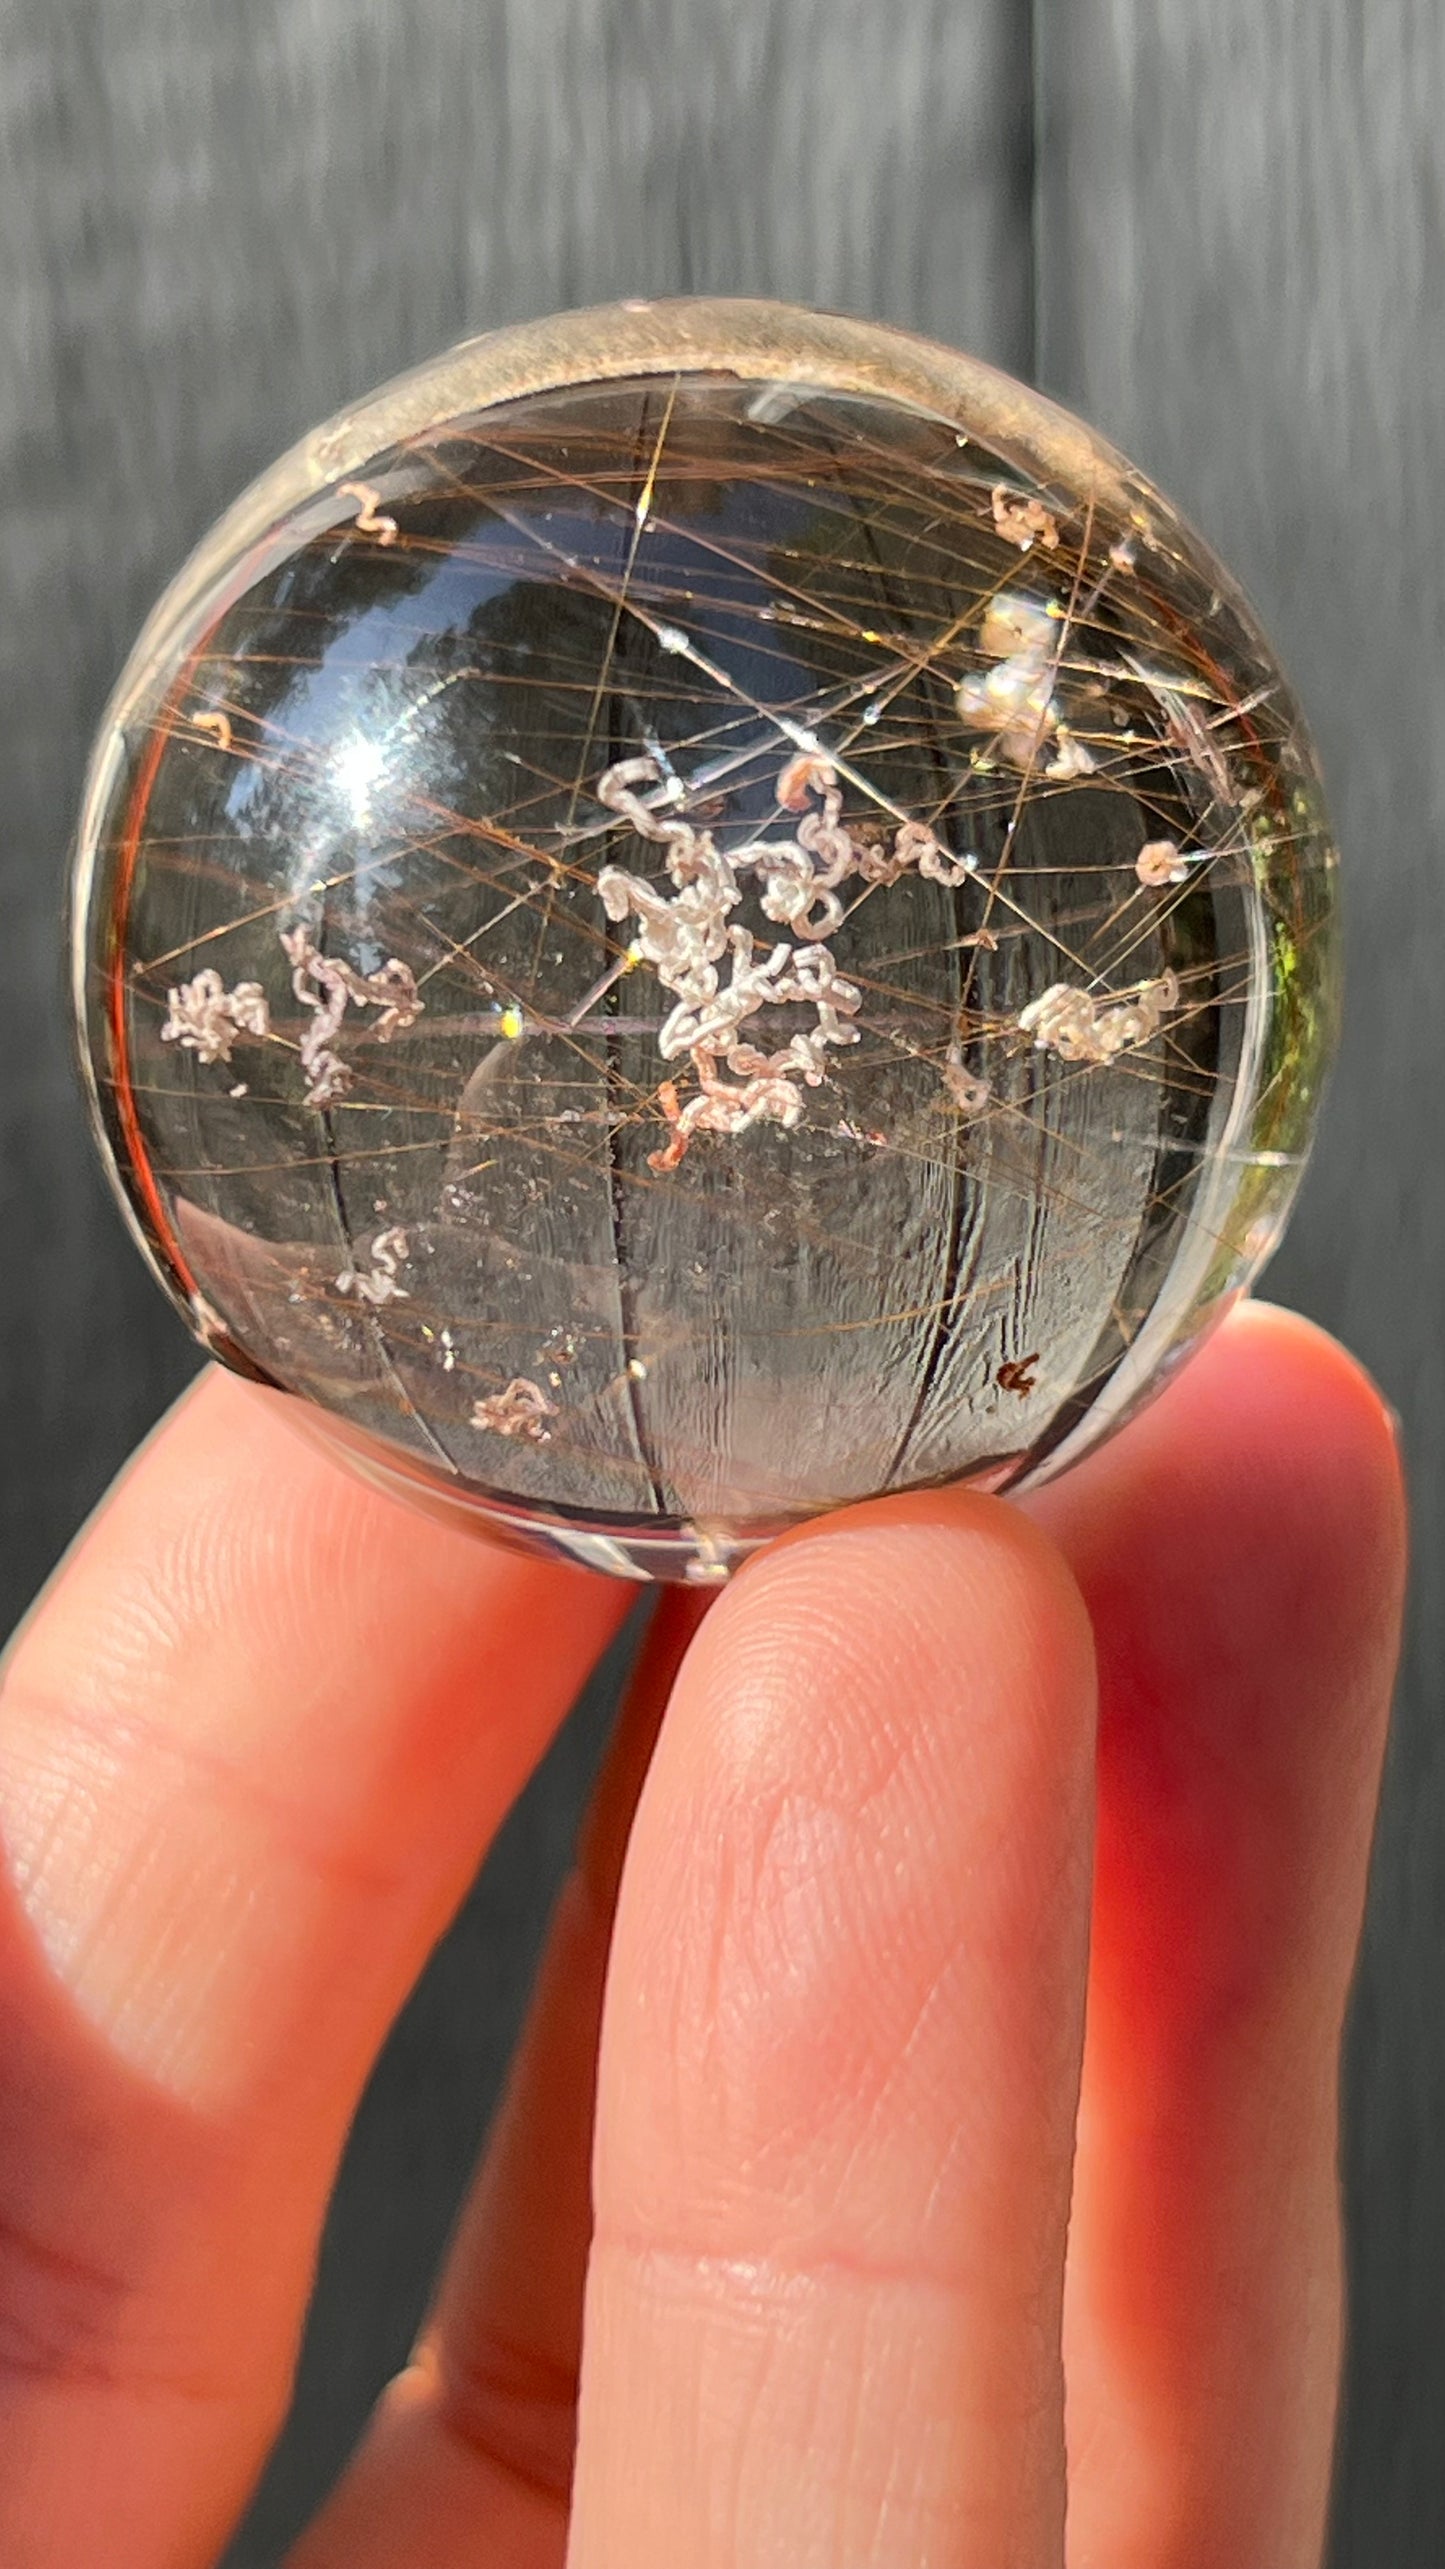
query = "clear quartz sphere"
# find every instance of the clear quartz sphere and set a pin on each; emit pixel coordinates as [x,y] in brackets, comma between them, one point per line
[697,912]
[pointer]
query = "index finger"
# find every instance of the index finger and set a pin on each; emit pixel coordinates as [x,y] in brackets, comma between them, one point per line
[253,1742]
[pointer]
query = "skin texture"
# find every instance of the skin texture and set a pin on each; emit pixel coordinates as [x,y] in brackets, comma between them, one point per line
[861,2253]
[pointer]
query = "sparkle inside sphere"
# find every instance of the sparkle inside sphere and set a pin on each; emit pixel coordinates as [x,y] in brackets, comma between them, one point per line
[697,912]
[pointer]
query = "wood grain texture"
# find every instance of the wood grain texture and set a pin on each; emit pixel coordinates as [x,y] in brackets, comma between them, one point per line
[216,225]
[1242,278]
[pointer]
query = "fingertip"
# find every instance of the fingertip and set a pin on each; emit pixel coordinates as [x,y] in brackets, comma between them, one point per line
[1273,1457]
[1285,1370]
[875,1779]
[1272,1376]
[1305,1393]
[918,1587]
[1241,1547]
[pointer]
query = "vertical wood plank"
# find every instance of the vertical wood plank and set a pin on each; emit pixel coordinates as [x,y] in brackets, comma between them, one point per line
[1242,279]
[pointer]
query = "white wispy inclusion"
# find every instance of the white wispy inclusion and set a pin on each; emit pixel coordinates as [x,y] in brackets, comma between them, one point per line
[711,966]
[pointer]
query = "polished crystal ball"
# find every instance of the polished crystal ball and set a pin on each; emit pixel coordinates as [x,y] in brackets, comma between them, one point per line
[697,912]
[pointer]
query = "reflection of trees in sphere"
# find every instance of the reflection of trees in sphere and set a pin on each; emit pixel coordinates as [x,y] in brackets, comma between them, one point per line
[699,912]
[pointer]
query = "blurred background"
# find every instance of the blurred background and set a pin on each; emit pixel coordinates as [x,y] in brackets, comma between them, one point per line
[1218,233]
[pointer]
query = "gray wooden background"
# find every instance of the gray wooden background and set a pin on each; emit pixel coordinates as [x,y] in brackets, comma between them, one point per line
[1217,231]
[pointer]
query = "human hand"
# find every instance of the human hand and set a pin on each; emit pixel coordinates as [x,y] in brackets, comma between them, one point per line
[257,1735]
